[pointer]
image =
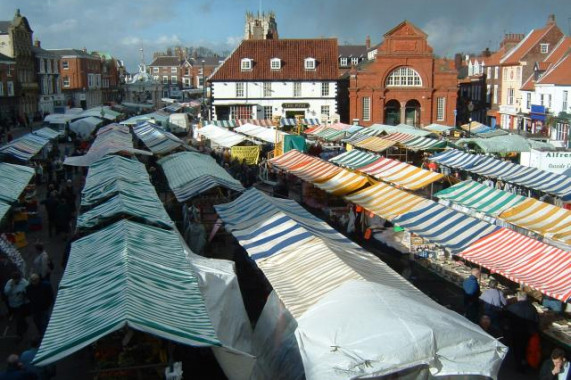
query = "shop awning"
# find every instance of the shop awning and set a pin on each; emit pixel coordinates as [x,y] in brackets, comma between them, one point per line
[475,127]
[157,140]
[261,133]
[25,147]
[13,180]
[354,159]
[224,123]
[4,207]
[221,136]
[316,171]
[331,134]
[47,133]
[315,129]
[425,143]
[401,128]
[456,159]
[268,123]
[102,112]
[159,117]
[308,264]
[127,274]
[438,128]
[480,197]
[399,137]
[290,159]
[401,174]
[362,135]
[293,121]
[374,144]
[547,220]
[386,201]
[134,205]
[191,173]
[444,226]
[525,261]
[343,183]
[499,144]
[85,126]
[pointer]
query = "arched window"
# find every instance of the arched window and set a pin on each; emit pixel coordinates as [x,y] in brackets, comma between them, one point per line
[404,77]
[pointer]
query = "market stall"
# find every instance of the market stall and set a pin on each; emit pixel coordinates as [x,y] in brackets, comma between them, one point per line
[157,140]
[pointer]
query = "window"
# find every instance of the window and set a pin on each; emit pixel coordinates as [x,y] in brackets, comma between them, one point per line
[528,100]
[496,72]
[246,64]
[267,89]
[489,72]
[186,82]
[440,108]
[89,80]
[310,63]
[275,63]
[366,109]
[544,48]
[404,77]
[240,112]
[42,66]
[541,99]
[156,77]
[355,60]
[344,61]
[174,79]
[495,100]
[240,90]
[267,112]
[66,81]
[165,80]
[296,89]
[155,69]
[564,103]
[325,111]
[10,88]
[510,96]
[173,70]
[561,132]
[549,101]
[65,65]
[325,89]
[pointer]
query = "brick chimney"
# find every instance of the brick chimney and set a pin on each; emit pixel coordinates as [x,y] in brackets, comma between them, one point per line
[511,39]
[37,43]
[368,42]
[551,19]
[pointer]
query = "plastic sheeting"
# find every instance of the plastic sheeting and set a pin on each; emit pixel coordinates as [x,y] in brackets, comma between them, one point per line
[502,144]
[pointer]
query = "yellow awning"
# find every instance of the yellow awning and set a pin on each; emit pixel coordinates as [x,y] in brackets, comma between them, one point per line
[316,171]
[344,182]
[375,144]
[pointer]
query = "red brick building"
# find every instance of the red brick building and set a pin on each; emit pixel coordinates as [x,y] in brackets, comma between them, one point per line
[405,83]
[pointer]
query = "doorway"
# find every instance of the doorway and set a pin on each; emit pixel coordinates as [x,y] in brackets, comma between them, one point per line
[412,113]
[392,112]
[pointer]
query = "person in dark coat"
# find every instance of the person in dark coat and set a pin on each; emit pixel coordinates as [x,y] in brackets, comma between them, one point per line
[51,204]
[15,370]
[523,322]
[41,298]
[63,217]
[556,367]
[471,289]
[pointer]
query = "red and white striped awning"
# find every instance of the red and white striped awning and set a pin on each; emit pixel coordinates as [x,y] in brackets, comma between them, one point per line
[399,137]
[524,260]
[316,171]
[290,159]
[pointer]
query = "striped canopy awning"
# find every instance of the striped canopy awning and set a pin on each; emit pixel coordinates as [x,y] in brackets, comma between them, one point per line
[425,143]
[127,274]
[293,121]
[362,135]
[480,197]
[438,128]
[525,261]
[316,171]
[456,159]
[401,174]
[343,183]
[399,137]
[444,226]
[386,201]
[354,159]
[315,129]
[374,144]
[475,127]
[331,134]
[47,133]
[268,123]
[191,173]
[13,180]
[290,159]
[25,147]
[261,133]
[157,140]
[547,220]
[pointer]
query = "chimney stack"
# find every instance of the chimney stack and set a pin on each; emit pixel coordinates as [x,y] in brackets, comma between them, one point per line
[551,19]
[368,42]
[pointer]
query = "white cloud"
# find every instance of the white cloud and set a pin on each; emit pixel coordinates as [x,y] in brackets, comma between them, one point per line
[233,41]
[67,25]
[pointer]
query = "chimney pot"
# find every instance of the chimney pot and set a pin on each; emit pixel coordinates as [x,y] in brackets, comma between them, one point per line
[368,42]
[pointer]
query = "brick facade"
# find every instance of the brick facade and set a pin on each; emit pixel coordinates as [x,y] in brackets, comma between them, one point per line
[416,103]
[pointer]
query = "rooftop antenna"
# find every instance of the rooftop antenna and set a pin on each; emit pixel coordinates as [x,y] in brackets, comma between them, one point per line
[260,8]
[142,54]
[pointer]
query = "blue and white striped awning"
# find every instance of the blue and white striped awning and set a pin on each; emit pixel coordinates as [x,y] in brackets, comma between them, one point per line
[456,159]
[47,133]
[157,140]
[173,107]
[25,147]
[354,159]
[293,121]
[444,226]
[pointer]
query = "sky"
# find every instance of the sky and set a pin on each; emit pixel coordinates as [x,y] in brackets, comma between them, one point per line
[122,27]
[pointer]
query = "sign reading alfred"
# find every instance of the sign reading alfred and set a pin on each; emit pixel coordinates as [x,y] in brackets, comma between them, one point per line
[295,105]
[553,161]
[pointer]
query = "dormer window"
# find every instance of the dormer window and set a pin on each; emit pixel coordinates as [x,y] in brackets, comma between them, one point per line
[275,63]
[310,63]
[246,64]
[544,48]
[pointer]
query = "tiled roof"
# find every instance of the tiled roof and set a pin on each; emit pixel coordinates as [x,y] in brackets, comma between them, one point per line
[529,84]
[518,52]
[559,73]
[6,59]
[494,59]
[350,51]
[208,61]
[166,61]
[4,26]
[71,52]
[291,52]
[559,50]
[43,52]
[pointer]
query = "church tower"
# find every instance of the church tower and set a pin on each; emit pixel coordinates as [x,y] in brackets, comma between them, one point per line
[261,27]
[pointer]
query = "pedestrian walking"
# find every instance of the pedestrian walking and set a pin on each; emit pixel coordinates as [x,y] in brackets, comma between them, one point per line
[471,287]
[26,358]
[18,303]
[63,217]
[42,264]
[41,297]
[51,204]
[523,322]
[15,370]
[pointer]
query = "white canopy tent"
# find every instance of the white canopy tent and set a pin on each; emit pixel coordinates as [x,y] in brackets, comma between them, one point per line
[84,127]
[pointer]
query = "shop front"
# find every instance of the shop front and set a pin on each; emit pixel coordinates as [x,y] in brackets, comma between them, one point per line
[291,110]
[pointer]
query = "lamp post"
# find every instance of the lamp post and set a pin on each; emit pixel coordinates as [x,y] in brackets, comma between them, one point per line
[469,127]
[204,114]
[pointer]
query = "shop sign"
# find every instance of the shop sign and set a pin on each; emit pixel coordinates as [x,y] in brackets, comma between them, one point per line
[295,105]
[555,162]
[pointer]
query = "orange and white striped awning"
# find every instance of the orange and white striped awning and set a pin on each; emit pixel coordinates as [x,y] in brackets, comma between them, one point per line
[524,260]
[316,171]
[401,174]
[290,159]
[399,137]
[548,220]
[386,201]
[375,144]
[344,182]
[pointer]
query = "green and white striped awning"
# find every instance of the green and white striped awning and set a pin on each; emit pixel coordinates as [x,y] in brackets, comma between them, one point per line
[354,159]
[331,134]
[481,198]
[127,274]
[425,143]
[13,180]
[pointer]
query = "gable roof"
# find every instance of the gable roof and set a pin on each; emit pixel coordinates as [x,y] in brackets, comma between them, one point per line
[71,53]
[7,60]
[559,50]
[520,50]
[5,26]
[166,61]
[529,84]
[350,51]
[559,73]
[291,52]
[406,28]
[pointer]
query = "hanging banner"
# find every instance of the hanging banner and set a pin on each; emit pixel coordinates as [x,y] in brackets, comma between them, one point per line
[248,153]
